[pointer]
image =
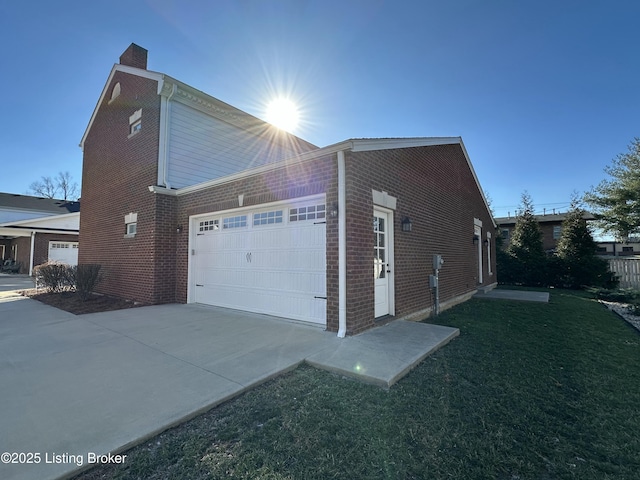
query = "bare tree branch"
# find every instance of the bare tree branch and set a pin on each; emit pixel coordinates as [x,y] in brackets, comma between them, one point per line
[62,186]
[45,188]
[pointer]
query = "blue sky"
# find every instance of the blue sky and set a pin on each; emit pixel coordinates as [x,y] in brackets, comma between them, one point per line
[544,93]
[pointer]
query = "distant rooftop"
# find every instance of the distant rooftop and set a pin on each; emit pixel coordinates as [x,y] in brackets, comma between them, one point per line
[38,204]
[550,217]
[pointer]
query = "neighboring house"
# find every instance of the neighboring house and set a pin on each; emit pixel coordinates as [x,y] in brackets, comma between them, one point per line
[34,230]
[619,249]
[188,199]
[550,227]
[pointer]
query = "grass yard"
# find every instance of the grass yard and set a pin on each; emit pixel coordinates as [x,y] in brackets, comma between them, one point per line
[528,391]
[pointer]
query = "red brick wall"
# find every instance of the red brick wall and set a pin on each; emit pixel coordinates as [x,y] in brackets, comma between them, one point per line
[548,242]
[435,188]
[117,172]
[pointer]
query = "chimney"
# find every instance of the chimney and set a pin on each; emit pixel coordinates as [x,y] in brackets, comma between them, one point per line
[134,56]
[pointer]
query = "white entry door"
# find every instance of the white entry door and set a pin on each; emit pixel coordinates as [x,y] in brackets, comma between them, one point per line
[264,260]
[382,262]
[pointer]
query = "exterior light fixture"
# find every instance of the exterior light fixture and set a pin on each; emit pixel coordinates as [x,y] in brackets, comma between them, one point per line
[406,224]
[179,229]
[334,211]
[476,240]
[485,242]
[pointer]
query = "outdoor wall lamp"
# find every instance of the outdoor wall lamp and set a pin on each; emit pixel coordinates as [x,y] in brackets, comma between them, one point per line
[485,242]
[476,240]
[406,224]
[179,229]
[334,211]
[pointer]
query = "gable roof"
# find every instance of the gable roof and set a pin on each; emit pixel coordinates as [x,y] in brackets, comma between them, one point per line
[168,86]
[52,206]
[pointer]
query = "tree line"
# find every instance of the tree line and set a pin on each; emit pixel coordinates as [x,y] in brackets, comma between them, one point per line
[615,204]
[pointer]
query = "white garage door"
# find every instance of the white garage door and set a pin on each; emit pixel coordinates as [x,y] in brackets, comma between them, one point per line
[267,260]
[64,252]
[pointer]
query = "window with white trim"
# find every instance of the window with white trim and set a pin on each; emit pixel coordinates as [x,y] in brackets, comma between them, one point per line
[132,228]
[557,232]
[130,224]
[234,222]
[135,122]
[267,218]
[209,225]
[310,212]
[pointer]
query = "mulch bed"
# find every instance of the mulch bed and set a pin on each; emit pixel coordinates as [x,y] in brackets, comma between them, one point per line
[72,303]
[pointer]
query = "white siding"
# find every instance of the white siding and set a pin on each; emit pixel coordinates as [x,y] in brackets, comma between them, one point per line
[201,148]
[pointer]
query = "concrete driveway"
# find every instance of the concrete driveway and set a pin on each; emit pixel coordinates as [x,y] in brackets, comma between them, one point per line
[11,282]
[78,386]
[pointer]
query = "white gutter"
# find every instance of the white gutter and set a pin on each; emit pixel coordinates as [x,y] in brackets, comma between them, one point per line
[342,247]
[33,244]
[164,144]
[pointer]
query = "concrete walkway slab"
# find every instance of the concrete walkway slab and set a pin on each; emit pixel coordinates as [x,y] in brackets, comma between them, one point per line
[100,383]
[384,355]
[518,295]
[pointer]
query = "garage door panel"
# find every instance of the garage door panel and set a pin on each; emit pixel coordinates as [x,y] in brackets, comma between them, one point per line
[277,269]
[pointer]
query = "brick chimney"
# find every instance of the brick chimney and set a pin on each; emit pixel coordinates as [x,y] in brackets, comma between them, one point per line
[134,56]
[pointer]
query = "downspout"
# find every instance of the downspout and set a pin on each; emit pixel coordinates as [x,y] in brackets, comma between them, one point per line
[342,248]
[33,244]
[165,140]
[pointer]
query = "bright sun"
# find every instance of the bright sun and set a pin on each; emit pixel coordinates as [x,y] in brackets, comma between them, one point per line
[283,113]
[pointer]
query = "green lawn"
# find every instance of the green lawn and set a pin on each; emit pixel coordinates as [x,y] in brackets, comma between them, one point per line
[528,391]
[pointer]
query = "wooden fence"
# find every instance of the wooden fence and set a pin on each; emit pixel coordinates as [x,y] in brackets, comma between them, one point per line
[628,270]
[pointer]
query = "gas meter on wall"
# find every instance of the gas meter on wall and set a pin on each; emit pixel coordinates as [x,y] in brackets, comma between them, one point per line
[437,262]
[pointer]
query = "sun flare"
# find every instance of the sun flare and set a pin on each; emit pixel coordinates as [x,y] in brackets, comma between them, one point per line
[283,113]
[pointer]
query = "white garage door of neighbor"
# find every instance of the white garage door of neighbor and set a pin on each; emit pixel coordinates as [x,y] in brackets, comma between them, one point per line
[269,260]
[64,252]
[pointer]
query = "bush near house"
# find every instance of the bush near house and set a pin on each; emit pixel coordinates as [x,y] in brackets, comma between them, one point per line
[57,277]
[54,277]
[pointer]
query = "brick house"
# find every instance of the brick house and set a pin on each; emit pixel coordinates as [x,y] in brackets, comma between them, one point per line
[188,199]
[550,228]
[34,230]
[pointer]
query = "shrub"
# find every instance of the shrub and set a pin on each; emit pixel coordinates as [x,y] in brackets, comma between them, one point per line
[54,276]
[87,276]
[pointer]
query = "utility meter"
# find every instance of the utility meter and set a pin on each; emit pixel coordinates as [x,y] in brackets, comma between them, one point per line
[437,262]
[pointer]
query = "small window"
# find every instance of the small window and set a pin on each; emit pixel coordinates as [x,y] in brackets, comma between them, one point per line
[267,218]
[627,249]
[505,233]
[557,231]
[135,122]
[234,222]
[311,212]
[209,225]
[132,228]
[136,127]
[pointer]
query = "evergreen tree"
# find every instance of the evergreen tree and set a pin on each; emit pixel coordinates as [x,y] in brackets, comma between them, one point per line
[578,264]
[616,202]
[527,257]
